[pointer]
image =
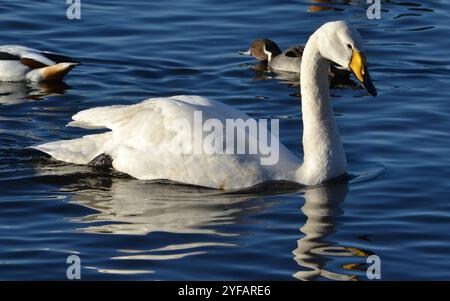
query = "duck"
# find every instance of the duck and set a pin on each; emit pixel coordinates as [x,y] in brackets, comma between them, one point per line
[151,140]
[21,63]
[267,51]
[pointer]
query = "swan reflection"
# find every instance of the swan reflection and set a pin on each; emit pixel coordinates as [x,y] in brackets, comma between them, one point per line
[314,253]
[132,207]
[20,92]
[139,207]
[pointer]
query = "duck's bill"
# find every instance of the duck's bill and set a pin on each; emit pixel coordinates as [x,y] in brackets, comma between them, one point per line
[248,52]
[359,69]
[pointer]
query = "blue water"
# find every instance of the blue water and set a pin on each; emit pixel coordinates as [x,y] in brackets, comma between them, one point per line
[397,146]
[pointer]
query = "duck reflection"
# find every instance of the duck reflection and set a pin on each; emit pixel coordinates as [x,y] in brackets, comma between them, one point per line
[337,78]
[314,253]
[19,92]
[262,72]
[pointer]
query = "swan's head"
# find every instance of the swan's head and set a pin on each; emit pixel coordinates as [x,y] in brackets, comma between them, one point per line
[341,43]
[262,50]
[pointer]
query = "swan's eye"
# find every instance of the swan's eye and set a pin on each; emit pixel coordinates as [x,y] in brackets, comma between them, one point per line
[349,46]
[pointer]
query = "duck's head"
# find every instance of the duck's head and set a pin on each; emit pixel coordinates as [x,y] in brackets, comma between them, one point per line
[341,43]
[262,49]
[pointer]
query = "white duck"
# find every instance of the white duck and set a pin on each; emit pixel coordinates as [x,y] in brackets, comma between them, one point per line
[19,63]
[143,136]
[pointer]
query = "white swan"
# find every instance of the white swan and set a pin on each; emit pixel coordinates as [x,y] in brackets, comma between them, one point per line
[20,63]
[143,135]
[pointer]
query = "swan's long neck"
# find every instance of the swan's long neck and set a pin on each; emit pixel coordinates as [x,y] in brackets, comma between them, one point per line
[324,156]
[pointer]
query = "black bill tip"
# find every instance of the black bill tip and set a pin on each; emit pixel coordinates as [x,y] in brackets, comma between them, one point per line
[368,85]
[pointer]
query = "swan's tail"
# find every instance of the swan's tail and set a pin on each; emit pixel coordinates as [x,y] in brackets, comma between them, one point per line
[77,151]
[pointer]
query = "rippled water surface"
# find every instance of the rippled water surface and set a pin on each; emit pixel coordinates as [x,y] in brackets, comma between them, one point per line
[397,146]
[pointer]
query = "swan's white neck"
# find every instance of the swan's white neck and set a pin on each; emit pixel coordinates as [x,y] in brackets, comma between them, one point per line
[324,156]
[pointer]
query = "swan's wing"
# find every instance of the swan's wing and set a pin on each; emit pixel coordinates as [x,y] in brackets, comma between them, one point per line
[155,125]
[77,151]
[220,108]
[104,117]
[116,116]
[126,123]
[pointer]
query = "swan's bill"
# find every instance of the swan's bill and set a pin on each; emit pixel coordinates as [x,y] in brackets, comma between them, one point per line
[358,65]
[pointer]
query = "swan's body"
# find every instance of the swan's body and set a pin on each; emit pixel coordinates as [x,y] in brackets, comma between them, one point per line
[143,136]
[290,60]
[19,63]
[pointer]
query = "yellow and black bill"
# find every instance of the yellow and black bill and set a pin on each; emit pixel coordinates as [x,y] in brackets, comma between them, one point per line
[358,65]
